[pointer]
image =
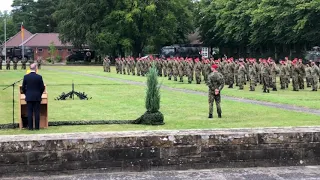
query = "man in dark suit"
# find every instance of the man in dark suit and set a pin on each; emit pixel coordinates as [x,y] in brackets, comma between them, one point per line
[33,88]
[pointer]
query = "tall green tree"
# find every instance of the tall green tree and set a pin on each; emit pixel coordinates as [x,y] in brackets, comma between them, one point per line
[124,27]
[11,29]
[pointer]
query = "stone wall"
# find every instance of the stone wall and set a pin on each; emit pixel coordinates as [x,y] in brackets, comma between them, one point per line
[160,150]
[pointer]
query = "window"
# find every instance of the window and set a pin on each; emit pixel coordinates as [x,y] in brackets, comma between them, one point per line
[40,49]
[60,49]
[69,50]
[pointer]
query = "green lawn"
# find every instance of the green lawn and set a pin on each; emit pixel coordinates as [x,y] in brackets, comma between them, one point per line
[304,98]
[119,101]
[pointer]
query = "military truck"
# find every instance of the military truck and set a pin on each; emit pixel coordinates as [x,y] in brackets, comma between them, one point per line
[313,55]
[187,50]
[81,55]
[16,52]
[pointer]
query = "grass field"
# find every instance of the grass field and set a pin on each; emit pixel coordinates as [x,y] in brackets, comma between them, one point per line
[304,98]
[112,100]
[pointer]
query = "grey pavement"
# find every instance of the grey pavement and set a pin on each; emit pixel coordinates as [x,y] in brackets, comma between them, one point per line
[242,100]
[272,173]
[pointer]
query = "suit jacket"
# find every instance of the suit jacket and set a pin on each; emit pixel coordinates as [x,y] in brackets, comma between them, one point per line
[33,86]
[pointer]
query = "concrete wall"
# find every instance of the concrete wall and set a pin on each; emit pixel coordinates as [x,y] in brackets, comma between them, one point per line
[160,150]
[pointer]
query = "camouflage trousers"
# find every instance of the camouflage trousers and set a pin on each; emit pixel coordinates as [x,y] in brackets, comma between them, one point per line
[283,82]
[314,82]
[169,73]
[253,83]
[8,67]
[265,83]
[198,77]
[301,82]
[295,83]
[165,72]
[240,81]
[214,98]
[309,80]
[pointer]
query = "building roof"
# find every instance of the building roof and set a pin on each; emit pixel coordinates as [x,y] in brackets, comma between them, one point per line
[44,40]
[16,40]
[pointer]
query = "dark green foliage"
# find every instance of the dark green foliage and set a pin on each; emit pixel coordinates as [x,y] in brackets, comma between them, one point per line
[153,90]
[153,116]
[149,118]
[265,28]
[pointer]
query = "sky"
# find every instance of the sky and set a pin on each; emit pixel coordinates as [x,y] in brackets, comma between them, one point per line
[5,5]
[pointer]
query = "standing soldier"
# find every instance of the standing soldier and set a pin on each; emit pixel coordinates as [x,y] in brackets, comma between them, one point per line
[181,69]
[189,68]
[241,75]
[39,61]
[315,73]
[164,66]
[133,66]
[230,73]
[252,76]
[24,64]
[265,76]
[197,70]
[8,63]
[283,75]
[104,64]
[302,74]
[274,72]
[206,69]
[175,69]
[308,75]
[236,70]
[295,75]
[138,67]
[215,83]
[15,63]
[170,66]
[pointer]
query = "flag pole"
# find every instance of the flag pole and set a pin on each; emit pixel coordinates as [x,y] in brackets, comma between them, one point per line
[5,39]
[22,31]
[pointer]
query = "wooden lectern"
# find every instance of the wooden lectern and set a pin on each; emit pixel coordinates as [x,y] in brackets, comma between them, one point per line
[43,109]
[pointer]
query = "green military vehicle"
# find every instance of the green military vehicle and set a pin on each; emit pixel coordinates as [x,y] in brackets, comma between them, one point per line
[313,55]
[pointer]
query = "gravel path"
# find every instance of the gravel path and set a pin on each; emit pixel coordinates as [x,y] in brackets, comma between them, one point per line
[242,100]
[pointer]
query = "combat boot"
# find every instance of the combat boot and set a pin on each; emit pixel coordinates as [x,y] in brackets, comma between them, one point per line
[210,116]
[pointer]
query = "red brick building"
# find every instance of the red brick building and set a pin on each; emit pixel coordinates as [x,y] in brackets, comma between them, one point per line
[40,43]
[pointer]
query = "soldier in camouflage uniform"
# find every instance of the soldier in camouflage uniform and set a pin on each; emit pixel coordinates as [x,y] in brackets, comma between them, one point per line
[308,75]
[230,73]
[24,64]
[206,70]
[236,70]
[197,70]
[181,69]
[241,74]
[265,76]
[302,74]
[133,66]
[8,63]
[215,84]
[138,67]
[315,73]
[165,67]
[170,68]
[175,69]
[283,75]
[15,63]
[252,76]
[274,72]
[189,68]
[295,75]
[39,61]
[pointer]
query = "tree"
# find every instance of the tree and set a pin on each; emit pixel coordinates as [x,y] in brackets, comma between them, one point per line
[52,50]
[124,27]
[152,116]
[11,29]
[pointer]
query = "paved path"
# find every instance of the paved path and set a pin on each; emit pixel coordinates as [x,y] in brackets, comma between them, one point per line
[275,173]
[262,103]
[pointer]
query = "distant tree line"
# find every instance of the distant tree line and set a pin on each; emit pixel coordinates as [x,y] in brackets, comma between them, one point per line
[243,28]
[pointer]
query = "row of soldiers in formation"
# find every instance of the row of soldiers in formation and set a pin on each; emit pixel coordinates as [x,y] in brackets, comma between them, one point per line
[15,61]
[235,71]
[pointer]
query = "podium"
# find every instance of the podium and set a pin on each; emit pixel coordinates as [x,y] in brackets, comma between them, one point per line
[23,116]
